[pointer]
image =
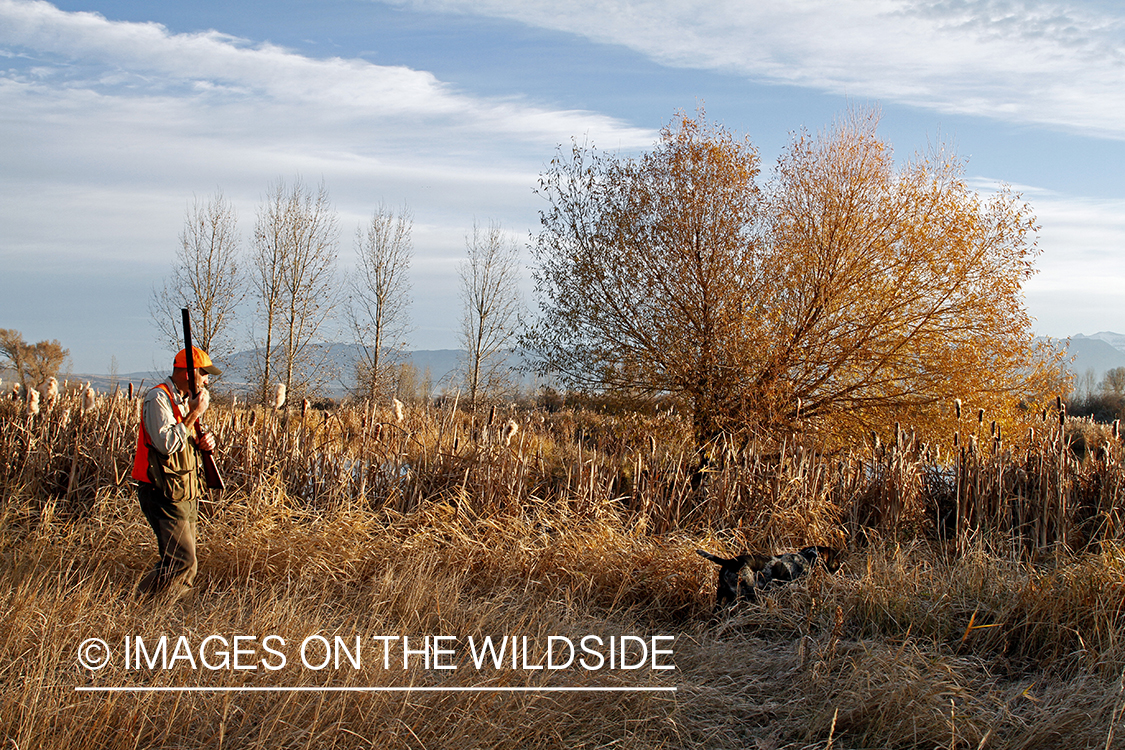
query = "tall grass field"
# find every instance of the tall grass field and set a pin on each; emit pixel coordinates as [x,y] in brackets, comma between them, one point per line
[524,578]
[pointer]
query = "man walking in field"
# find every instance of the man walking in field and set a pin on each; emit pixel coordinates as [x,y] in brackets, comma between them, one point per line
[167,470]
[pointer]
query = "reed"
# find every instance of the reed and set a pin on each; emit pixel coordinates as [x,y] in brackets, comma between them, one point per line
[977,609]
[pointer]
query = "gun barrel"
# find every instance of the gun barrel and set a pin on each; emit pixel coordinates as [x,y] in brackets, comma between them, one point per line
[210,471]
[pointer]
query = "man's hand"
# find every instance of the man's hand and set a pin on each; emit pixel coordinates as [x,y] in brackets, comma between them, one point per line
[206,441]
[197,407]
[201,402]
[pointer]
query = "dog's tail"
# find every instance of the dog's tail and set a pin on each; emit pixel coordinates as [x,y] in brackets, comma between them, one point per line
[715,558]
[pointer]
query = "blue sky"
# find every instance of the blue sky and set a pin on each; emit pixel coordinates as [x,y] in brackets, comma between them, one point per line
[113,115]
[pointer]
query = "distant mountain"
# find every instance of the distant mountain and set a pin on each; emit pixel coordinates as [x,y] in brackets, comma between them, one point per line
[1099,352]
[337,367]
[1116,340]
[1095,354]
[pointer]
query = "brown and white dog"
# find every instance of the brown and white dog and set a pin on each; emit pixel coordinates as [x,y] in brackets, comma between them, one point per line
[744,576]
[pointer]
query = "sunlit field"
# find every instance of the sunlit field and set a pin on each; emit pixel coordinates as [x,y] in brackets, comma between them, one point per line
[981,605]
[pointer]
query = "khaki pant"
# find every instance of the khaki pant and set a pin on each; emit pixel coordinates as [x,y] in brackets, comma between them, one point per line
[174,525]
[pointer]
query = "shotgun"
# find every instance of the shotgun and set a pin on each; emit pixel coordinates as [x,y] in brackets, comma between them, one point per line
[210,470]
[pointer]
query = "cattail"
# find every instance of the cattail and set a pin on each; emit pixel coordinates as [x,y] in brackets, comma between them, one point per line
[510,431]
[304,407]
[130,391]
[980,417]
[399,417]
[279,397]
[32,402]
[51,392]
[88,399]
[957,407]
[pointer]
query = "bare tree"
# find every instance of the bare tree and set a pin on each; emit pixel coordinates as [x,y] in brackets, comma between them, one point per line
[1086,384]
[380,297]
[267,259]
[294,273]
[490,292]
[1114,381]
[205,277]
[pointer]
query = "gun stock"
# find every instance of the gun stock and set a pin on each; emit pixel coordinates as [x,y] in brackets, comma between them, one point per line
[211,475]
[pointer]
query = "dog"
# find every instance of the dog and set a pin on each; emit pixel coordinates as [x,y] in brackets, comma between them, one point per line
[746,575]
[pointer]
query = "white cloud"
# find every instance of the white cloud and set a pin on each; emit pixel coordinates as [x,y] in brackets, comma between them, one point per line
[1032,61]
[1083,242]
[104,109]
[214,69]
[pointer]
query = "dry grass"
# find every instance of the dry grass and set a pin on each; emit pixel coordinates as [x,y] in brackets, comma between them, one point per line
[583,524]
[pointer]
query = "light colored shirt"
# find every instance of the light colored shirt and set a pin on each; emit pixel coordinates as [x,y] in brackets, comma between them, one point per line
[166,434]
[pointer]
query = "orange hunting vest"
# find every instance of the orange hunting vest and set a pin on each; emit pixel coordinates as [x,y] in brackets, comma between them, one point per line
[140,463]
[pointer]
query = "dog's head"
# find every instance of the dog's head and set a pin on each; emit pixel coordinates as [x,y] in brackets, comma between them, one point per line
[829,557]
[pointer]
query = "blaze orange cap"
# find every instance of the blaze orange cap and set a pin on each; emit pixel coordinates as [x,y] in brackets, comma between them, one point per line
[199,359]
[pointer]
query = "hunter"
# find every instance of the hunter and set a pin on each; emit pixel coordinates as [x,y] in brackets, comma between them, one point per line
[167,471]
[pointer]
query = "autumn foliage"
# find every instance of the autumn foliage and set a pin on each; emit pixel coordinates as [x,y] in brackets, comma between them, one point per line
[844,293]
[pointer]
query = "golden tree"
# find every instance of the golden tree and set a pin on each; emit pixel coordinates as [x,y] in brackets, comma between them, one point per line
[847,292]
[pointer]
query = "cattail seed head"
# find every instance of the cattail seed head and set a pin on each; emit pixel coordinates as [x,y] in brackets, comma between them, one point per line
[304,407]
[957,407]
[32,402]
[279,396]
[51,392]
[510,431]
[399,416]
[88,399]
